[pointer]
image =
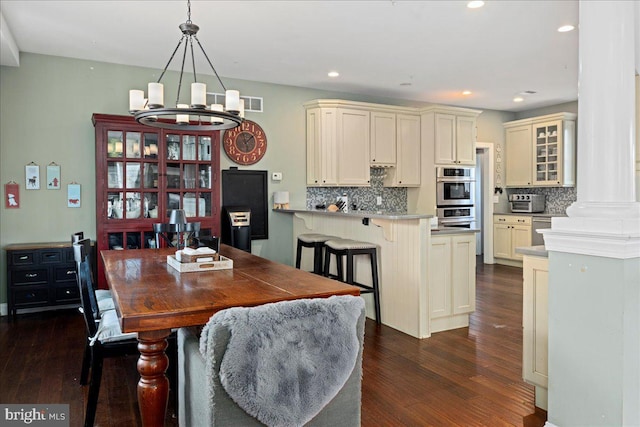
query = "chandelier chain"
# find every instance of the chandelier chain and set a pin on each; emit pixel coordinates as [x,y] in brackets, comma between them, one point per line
[210,64]
[193,60]
[184,57]
[188,11]
[171,59]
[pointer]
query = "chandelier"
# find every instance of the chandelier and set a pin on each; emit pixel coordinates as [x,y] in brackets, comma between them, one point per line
[197,115]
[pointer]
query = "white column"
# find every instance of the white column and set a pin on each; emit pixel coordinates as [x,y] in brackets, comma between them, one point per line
[606,133]
[594,253]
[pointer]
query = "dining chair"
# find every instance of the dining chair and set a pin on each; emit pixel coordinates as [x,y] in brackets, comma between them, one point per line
[100,297]
[104,337]
[100,300]
[293,362]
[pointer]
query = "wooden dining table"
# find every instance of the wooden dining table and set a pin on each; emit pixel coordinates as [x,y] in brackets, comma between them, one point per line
[152,298]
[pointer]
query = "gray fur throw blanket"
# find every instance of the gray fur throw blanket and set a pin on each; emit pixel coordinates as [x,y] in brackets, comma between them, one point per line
[285,361]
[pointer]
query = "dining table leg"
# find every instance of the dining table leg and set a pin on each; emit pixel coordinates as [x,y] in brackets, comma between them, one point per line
[153,387]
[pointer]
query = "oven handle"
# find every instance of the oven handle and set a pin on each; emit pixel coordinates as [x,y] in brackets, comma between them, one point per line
[460,221]
[456,179]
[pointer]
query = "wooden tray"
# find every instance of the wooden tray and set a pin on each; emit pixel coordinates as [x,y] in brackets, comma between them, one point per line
[190,267]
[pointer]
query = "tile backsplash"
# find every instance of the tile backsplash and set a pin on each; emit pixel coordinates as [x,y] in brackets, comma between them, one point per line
[558,199]
[393,199]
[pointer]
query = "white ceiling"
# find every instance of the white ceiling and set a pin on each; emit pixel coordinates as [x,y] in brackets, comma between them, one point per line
[440,47]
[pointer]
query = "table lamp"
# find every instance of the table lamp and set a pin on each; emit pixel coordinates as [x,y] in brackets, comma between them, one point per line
[178,219]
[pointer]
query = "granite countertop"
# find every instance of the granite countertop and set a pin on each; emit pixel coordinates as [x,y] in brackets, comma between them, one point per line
[360,214]
[538,250]
[453,230]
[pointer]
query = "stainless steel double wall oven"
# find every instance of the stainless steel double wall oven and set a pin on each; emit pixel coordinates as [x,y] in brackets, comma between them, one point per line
[455,196]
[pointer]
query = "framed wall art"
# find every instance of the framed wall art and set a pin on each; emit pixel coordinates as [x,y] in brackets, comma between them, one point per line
[73,195]
[32,176]
[53,176]
[11,195]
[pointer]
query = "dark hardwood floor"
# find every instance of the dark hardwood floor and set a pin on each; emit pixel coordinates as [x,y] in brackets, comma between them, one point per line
[465,377]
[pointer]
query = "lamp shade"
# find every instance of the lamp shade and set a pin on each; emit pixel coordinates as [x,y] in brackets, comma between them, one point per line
[177,216]
[281,197]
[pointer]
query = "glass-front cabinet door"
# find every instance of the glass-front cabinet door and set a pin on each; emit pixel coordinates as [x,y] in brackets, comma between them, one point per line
[131,175]
[189,174]
[547,153]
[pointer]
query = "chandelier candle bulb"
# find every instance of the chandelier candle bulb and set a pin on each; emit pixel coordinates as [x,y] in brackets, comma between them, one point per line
[216,107]
[241,114]
[156,95]
[182,118]
[232,99]
[198,95]
[136,100]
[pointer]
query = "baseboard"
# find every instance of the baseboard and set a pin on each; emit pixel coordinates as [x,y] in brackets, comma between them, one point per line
[4,309]
[548,424]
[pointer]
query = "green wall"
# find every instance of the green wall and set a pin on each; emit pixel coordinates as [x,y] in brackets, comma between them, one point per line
[45,116]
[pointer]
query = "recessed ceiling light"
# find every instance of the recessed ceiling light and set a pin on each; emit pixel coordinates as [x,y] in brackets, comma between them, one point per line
[405,84]
[518,99]
[475,4]
[333,74]
[566,28]
[466,92]
[528,92]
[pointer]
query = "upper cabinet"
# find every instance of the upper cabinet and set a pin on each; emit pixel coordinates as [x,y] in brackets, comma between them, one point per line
[346,138]
[453,133]
[383,139]
[407,146]
[540,151]
[337,145]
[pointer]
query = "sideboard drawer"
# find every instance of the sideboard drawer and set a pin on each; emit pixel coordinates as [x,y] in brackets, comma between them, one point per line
[22,258]
[32,296]
[67,294]
[63,274]
[29,277]
[53,256]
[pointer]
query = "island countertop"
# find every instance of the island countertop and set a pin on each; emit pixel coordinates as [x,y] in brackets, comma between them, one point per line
[359,214]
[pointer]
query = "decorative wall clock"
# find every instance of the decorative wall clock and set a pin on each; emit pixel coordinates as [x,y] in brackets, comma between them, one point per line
[245,144]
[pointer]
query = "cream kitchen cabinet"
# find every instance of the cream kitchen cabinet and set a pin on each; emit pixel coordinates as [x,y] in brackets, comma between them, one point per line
[406,173]
[383,139]
[540,151]
[321,147]
[452,132]
[535,351]
[337,145]
[452,280]
[519,161]
[510,232]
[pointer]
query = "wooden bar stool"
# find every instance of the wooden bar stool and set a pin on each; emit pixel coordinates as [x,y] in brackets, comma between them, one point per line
[351,248]
[315,241]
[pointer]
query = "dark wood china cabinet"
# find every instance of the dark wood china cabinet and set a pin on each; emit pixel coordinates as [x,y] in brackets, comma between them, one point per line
[141,172]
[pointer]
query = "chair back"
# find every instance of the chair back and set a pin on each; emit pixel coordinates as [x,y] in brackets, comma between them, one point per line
[161,231]
[76,237]
[286,363]
[81,254]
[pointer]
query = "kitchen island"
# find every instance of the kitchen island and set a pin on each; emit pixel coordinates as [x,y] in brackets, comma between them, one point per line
[404,245]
